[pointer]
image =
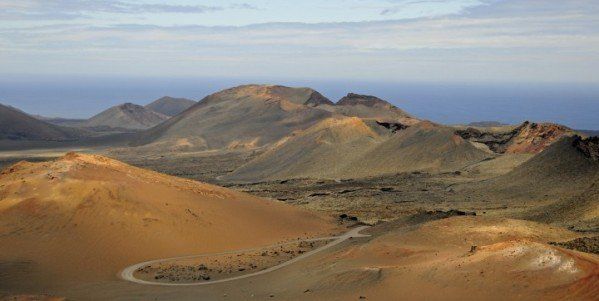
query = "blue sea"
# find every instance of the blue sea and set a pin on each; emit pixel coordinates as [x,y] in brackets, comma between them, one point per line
[574,105]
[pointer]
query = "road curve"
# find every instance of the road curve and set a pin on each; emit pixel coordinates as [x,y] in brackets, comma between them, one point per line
[127,273]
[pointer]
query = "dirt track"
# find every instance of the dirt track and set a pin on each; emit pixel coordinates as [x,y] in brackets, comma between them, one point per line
[127,273]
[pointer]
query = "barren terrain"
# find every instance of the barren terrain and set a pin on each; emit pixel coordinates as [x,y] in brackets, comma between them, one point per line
[251,193]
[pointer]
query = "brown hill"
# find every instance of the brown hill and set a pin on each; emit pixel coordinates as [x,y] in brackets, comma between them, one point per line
[126,116]
[371,107]
[16,125]
[243,117]
[86,217]
[527,138]
[563,169]
[170,106]
[558,185]
[567,172]
[348,148]
[254,116]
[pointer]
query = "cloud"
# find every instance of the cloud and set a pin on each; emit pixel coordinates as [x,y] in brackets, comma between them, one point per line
[498,42]
[73,9]
[429,8]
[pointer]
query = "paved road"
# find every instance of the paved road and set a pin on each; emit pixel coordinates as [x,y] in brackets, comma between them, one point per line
[127,273]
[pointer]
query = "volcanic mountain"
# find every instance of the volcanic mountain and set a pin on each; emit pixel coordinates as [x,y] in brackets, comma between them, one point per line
[86,217]
[349,147]
[243,117]
[255,116]
[170,106]
[16,125]
[126,116]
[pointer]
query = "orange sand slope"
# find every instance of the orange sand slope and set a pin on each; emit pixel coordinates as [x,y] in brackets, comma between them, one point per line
[85,216]
[437,261]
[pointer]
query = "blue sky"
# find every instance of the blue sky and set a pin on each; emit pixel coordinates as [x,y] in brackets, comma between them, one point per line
[391,40]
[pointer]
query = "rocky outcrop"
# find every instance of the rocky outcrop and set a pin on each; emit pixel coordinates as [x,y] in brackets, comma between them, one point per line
[495,141]
[589,147]
[527,138]
[394,127]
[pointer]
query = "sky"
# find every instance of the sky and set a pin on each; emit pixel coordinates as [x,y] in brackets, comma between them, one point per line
[392,40]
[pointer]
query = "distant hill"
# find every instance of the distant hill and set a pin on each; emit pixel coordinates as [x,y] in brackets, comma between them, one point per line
[243,117]
[126,116]
[255,116]
[17,125]
[170,106]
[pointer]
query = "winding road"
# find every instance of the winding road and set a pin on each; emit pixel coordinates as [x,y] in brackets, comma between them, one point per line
[127,273]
